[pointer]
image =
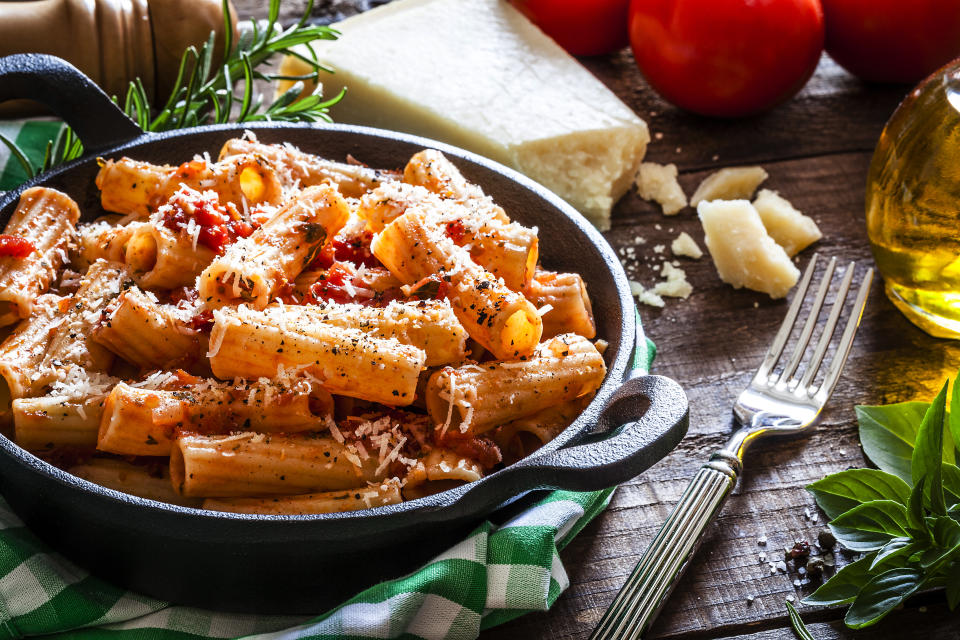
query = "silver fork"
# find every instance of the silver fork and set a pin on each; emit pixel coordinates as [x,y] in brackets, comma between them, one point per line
[773,404]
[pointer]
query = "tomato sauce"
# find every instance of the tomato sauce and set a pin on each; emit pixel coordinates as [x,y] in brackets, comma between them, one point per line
[220,225]
[15,246]
[455,231]
[340,249]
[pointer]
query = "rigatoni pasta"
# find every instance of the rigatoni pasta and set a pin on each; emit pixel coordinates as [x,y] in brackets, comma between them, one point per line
[305,169]
[500,319]
[278,333]
[254,269]
[33,247]
[138,188]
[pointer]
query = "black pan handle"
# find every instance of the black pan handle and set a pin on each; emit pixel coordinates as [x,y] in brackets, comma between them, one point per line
[60,86]
[640,424]
[647,417]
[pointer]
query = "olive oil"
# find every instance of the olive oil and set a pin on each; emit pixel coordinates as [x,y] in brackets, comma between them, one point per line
[913,204]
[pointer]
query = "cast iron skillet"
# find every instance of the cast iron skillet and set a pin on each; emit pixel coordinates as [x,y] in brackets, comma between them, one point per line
[303,564]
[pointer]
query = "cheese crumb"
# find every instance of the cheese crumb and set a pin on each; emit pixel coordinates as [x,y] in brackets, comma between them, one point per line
[658,182]
[646,296]
[743,253]
[732,183]
[788,227]
[684,245]
[675,284]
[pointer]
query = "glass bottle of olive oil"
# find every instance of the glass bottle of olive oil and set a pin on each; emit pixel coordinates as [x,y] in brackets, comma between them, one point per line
[913,204]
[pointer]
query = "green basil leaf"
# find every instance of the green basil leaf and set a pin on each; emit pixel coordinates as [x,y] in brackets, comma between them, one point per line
[927,458]
[895,553]
[888,432]
[951,483]
[946,532]
[953,584]
[797,623]
[871,525]
[840,492]
[946,535]
[845,584]
[915,513]
[881,595]
[954,419]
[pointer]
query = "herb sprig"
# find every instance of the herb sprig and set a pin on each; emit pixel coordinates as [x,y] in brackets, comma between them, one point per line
[208,94]
[905,516]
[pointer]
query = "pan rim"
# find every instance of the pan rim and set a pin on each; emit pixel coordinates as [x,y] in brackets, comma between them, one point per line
[624,343]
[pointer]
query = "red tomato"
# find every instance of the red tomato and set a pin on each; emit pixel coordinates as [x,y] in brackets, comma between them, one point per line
[726,57]
[582,27]
[892,40]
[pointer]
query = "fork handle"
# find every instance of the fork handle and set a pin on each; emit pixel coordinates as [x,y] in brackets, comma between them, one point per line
[654,577]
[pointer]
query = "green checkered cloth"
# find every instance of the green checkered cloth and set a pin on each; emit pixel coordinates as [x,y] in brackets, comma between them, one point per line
[496,574]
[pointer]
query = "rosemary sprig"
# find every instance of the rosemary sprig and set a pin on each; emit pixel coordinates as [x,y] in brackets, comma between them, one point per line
[204,94]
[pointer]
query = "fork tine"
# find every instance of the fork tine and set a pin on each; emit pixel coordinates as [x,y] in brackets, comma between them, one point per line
[786,327]
[846,342]
[839,302]
[810,324]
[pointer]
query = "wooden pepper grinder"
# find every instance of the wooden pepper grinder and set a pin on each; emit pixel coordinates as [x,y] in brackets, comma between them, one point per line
[114,41]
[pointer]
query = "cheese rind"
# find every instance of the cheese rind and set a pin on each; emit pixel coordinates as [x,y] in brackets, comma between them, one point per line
[732,183]
[745,256]
[479,75]
[658,182]
[786,225]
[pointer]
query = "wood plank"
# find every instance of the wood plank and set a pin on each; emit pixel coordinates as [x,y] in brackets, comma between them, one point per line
[711,344]
[834,112]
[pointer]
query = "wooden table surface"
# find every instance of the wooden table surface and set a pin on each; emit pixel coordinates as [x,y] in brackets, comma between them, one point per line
[816,148]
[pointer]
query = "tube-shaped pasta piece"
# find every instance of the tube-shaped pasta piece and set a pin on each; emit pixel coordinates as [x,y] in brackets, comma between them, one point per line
[431,169]
[507,249]
[569,305]
[521,437]
[139,421]
[72,341]
[146,333]
[134,187]
[52,421]
[255,268]
[430,325]
[147,481]
[502,320]
[254,344]
[477,398]
[377,495]
[102,240]
[21,354]
[46,219]
[250,464]
[160,258]
[439,470]
[295,166]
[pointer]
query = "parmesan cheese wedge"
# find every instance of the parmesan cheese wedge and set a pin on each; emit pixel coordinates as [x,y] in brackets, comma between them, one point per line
[479,75]
[788,227]
[732,183]
[745,256]
[658,182]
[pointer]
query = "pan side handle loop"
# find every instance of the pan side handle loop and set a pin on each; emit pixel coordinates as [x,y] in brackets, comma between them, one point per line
[639,425]
[58,85]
